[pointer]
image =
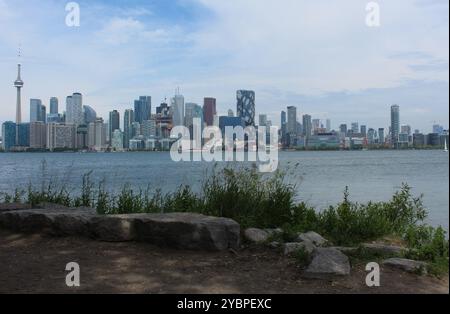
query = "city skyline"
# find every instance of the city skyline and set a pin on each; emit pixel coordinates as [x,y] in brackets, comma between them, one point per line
[375,68]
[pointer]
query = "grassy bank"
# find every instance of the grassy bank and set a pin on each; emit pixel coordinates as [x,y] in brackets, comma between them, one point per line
[255,200]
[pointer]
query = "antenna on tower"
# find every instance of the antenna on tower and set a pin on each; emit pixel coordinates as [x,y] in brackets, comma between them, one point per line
[19,52]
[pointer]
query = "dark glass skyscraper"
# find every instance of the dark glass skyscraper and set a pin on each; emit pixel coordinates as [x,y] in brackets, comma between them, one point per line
[114,122]
[142,109]
[209,110]
[128,120]
[23,135]
[9,135]
[246,106]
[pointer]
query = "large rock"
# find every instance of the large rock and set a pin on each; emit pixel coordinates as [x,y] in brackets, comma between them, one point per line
[383,249]
[327,263]
[255,235]
[313,237]
[57,222]
[291,248]
[407,265]
[187,231]
[176,230]
[113,228]
[5,207]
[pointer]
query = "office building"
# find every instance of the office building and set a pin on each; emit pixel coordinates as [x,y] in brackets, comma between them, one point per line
[54,105]
[38,135]
[307,125]
[60,136]
[114,123]
[177,110]
[74,109]
[142,109]
[128,120]
[209,110]
[89,115]
[37,111]
[117,140]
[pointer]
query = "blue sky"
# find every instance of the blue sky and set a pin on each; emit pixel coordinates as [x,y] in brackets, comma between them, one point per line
[317,55]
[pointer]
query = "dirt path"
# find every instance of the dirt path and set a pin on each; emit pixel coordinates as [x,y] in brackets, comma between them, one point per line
[35,264]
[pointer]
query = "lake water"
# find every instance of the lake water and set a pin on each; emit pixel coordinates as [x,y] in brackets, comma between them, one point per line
[321,176]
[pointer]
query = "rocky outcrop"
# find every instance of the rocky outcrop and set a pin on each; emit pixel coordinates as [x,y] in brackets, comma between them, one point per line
[6,207]
[407,265]
[291,248]
[176,230]
[313,237]
[255,235]
[327,263]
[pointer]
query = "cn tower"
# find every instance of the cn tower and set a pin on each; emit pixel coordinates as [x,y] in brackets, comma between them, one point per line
[18,84]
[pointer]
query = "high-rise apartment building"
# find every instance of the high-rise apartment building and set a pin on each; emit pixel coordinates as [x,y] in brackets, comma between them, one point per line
[54,105]
[307,125]
[114,122]
[128,120]
[74,109]
[177,109]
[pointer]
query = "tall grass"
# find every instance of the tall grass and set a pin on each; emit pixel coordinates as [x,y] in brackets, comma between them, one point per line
[256,200]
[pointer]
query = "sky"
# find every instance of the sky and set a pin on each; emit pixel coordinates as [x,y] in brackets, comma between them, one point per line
[317,55]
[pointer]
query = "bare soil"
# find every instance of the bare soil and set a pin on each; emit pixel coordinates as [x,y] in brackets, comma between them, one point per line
[36,264]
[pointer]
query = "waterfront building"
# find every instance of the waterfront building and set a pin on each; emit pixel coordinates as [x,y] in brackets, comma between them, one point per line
[97,135]
[355,127]
[438,129]
[343,130]
[371,134]
[419,140]
[433,140]
[142,109]
[9,132]
[209,110]
[38,135]
[82,137]
[61,136]
[117,140]
[328,125]
[395,125]
[246,106]
[23,135]
[323,141]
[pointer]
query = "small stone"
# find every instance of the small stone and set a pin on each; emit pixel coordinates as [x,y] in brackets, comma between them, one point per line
[313,237]
[255,235]
[407,265]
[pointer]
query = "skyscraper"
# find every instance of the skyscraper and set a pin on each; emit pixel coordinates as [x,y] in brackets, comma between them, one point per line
[364,130]
[38,135]
[292,120]
[114,123]
[177,109]
[74,109]
[343,130]
[128,120]
[89,115]
[381,136]
[37,111]
[193,111]
[18,84]
[142,109]
[23,135]
[246,106]
[307,125]
[395,125]
[209,110]
[262,120]
[53,105]
[328,125]
[355,127]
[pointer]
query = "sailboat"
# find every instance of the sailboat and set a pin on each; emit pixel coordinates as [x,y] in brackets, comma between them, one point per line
[445,147]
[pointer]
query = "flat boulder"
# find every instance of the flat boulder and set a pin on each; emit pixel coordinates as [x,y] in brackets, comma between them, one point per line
[313,237]
[385,249]
[327,263]
[113,228]
[255,235]
[407,265]
[5,207]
